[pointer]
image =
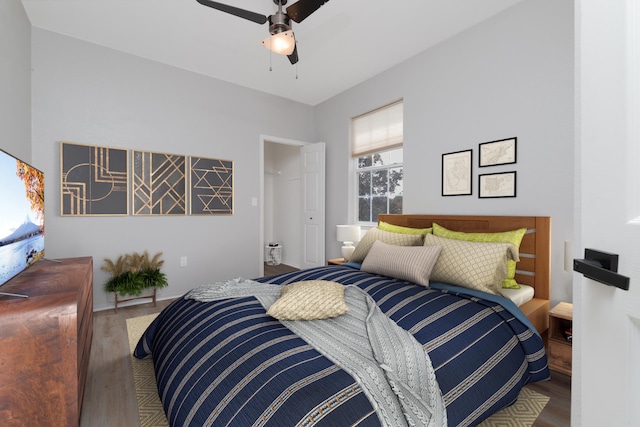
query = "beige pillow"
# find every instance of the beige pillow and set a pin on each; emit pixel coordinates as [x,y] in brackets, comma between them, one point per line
[514,237]
[474,265]
[412,263]
[397,239]
[309,300]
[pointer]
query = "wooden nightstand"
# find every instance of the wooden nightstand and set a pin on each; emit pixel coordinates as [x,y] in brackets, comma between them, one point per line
[559,347]
[336,261]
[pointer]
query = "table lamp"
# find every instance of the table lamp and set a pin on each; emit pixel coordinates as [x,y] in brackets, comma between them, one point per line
[347,234]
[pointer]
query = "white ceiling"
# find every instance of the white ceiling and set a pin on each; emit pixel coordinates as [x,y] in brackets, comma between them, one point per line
[342,44]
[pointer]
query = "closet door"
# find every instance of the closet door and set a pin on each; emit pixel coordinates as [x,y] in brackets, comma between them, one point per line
[313,204]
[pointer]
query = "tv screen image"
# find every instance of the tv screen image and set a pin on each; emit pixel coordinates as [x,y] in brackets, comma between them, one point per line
[21,216]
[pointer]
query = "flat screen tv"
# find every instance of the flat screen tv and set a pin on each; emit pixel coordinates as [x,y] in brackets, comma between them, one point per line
[21,216]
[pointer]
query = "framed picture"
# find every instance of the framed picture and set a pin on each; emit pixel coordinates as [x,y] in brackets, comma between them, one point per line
[502,152]
[211,186]
[494,185]
[456,173]
[93,180]
[158,183]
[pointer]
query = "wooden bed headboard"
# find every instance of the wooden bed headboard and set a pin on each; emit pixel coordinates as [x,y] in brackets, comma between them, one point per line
[534,268]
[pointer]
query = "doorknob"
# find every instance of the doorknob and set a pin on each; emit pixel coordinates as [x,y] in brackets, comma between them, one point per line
[601,267]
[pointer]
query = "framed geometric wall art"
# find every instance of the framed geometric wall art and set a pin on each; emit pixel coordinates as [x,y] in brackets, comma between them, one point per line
[93,180]
[502,152]
[158,183]
[456,173]
[211,186]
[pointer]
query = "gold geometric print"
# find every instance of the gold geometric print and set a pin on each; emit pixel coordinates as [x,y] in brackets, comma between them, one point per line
[158,183]
[211,186]
[93,180]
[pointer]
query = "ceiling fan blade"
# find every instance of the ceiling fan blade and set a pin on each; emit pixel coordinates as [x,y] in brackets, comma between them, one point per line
[293,58]
[301,9]
[242,13]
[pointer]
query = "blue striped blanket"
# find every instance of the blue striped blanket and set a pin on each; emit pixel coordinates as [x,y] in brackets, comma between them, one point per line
[226,360]
[391,366]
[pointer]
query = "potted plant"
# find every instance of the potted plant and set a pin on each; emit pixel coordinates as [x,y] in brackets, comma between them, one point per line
[132,274]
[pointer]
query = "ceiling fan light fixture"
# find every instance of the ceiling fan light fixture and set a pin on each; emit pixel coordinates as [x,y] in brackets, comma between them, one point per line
[281,43]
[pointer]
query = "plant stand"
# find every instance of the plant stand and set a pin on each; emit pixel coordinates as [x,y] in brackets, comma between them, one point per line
[121,299]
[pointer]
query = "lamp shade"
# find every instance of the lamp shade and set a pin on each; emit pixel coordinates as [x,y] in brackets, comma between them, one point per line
[281,43]
[348,233]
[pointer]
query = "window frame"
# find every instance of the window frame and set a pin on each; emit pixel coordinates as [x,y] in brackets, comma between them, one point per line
[375,168]
[363,136]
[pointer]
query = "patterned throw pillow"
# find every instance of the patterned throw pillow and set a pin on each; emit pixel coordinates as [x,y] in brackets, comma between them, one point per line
[474,265]
[374,234]
[514,237]
[309,300]
[412,263]
[385,226]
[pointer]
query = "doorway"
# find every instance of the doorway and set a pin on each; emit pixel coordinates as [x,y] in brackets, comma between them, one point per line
[275,201]
[282,202]
[292,208]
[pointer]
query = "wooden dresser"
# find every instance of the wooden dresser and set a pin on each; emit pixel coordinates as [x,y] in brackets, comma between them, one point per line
[45,342]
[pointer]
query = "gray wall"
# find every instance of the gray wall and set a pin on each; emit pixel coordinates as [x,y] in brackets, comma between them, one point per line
[509,76]
[15,80]
[87,94]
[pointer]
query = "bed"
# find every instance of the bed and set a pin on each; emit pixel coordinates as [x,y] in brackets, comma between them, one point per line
[534,267]
[400,353]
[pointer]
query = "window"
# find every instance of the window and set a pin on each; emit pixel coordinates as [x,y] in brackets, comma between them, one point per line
[377,139]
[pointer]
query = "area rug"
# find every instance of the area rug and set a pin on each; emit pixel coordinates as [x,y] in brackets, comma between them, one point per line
[521,414]
[149,406]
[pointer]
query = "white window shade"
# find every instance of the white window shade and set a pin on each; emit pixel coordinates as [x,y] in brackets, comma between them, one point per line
[378,130]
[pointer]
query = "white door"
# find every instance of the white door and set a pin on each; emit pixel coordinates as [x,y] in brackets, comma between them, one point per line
[312,166]
[606,349]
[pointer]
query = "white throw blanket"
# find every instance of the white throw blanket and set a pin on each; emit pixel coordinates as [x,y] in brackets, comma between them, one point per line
[391,366]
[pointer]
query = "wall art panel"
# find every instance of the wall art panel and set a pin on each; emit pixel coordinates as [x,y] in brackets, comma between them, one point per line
[211,186]
[93,180]
[158,183]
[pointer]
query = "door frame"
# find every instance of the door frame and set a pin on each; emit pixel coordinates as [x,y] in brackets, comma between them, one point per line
[275,140]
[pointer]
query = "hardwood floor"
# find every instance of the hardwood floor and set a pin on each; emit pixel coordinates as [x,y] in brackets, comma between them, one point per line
[272,270]
[110,396]
[557,412]
[110,399]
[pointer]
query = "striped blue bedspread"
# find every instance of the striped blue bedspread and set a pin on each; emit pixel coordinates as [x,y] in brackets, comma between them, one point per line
[228,358]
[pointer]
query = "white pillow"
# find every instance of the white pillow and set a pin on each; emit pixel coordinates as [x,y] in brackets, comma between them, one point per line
[519,296]
[398,239]
[412,263]
[474,265]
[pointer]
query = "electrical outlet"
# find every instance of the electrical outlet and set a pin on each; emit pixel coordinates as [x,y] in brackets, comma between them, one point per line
[183,261]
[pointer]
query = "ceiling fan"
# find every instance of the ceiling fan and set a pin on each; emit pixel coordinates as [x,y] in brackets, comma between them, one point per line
[282,39]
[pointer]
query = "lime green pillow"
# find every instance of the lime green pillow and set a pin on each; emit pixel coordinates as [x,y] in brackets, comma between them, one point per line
[385,226]
[514,237]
